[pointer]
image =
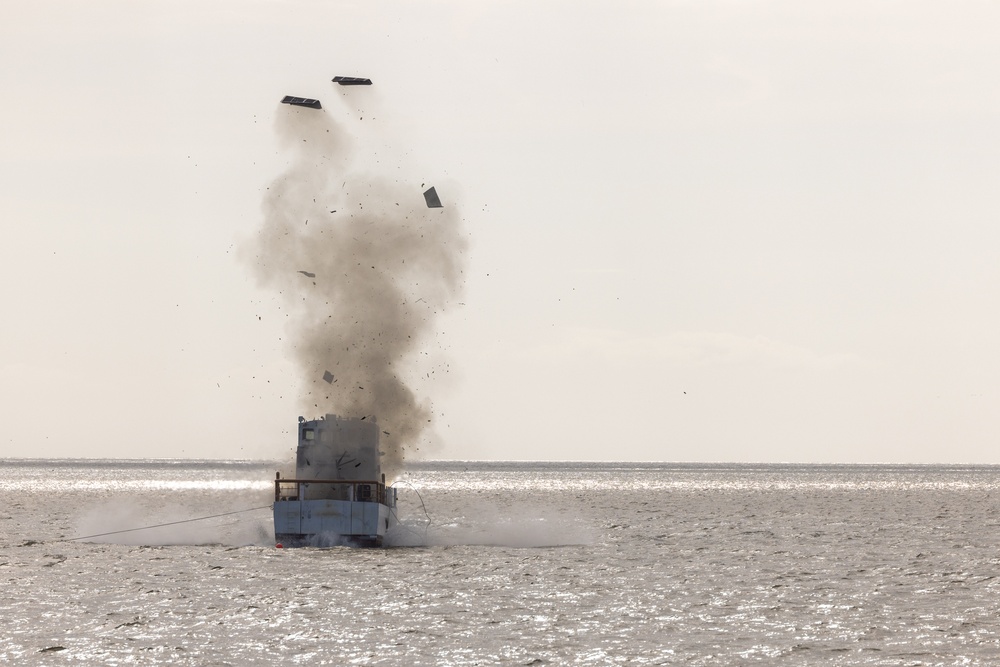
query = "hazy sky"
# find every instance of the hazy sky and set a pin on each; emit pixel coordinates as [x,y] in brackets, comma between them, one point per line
[698,231]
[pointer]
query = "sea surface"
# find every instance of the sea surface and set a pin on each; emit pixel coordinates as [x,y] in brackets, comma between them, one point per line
[506,564]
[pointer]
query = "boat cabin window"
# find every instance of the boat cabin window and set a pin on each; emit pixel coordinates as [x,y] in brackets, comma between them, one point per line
[308,434]
[364,491]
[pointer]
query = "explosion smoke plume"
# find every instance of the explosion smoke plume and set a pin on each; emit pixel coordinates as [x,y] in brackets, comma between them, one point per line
[385,265]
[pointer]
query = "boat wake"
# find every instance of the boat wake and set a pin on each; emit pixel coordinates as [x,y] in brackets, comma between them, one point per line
[536,532]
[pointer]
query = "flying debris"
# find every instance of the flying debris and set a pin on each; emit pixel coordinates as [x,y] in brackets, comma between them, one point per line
[307,274]
[302,102]
[431,197]
[328,377]
[352,81]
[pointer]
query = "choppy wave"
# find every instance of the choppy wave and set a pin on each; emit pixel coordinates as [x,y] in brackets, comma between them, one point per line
[508,564]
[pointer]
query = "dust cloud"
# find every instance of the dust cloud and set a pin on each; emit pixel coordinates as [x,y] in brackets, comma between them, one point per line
[363,267]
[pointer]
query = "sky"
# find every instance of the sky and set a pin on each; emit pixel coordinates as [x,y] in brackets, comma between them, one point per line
[694,231]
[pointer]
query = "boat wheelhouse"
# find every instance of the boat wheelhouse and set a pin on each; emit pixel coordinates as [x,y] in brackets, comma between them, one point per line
[338,494]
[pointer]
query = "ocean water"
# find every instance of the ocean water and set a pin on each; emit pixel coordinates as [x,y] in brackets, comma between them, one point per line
[507,564]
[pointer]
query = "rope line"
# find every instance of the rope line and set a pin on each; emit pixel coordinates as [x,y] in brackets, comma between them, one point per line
[399,523]
[171,523]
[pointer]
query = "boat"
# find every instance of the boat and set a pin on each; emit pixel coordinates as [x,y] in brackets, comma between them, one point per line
[338,495]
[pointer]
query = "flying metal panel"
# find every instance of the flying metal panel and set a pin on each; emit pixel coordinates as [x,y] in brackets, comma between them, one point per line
[432,199]
[352,81]
[302,102]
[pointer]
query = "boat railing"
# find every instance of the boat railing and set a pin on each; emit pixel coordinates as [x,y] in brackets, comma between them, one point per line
[358,490]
